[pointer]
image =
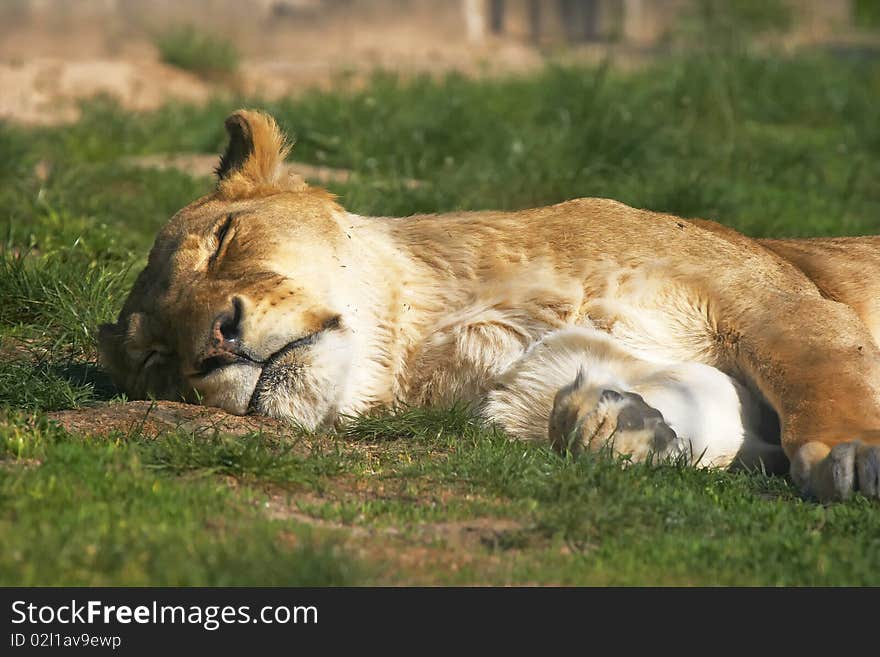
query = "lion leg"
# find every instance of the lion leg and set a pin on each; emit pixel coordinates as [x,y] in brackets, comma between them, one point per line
[820,369]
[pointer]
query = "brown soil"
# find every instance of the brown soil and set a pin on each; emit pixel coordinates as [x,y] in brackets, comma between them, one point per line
[203,164]
[46,91]
[50,61]
[412,553]
[154,418]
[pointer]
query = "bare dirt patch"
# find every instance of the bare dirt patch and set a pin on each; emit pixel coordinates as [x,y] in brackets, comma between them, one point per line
[204,164]
[416,553]
[17,464]
[45,91]
[155,418]
[403,560]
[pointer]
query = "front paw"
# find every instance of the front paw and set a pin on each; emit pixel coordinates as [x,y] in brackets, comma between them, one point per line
[622,420]
[832,474]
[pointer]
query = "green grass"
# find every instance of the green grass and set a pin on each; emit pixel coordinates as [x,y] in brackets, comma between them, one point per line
[80,510]
[103,512]
[772,146]
[203,53]
[866,14]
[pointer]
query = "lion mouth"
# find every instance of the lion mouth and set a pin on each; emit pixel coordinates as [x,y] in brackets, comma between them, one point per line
[273,371]
[299,343]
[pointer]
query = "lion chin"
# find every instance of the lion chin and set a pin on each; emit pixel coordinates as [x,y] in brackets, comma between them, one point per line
[586,325]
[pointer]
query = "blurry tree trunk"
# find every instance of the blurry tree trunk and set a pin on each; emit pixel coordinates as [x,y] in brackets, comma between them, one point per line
[534,10]
[580,19]
[475,19]
[590,19]
[496,16]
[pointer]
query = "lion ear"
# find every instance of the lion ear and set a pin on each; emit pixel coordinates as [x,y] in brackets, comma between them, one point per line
[254,158]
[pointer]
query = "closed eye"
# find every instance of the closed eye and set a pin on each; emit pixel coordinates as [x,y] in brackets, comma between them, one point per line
[220,238]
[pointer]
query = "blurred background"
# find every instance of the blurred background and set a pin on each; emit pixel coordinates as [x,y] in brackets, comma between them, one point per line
[54,52]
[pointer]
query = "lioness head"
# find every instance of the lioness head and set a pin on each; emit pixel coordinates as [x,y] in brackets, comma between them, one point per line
[250,300]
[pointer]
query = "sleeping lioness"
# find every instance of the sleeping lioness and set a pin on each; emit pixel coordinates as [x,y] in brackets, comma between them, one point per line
[586,324]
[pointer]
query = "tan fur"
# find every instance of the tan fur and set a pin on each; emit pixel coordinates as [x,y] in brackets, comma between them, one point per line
[845,269]
[428,309]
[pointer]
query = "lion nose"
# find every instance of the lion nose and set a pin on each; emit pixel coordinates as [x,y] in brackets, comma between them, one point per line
[226,341]
[226,332]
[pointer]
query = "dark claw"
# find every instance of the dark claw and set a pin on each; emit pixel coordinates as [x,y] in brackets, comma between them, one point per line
[637,415]
[664,436]
[610,396]
[868,470]
[841,465]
